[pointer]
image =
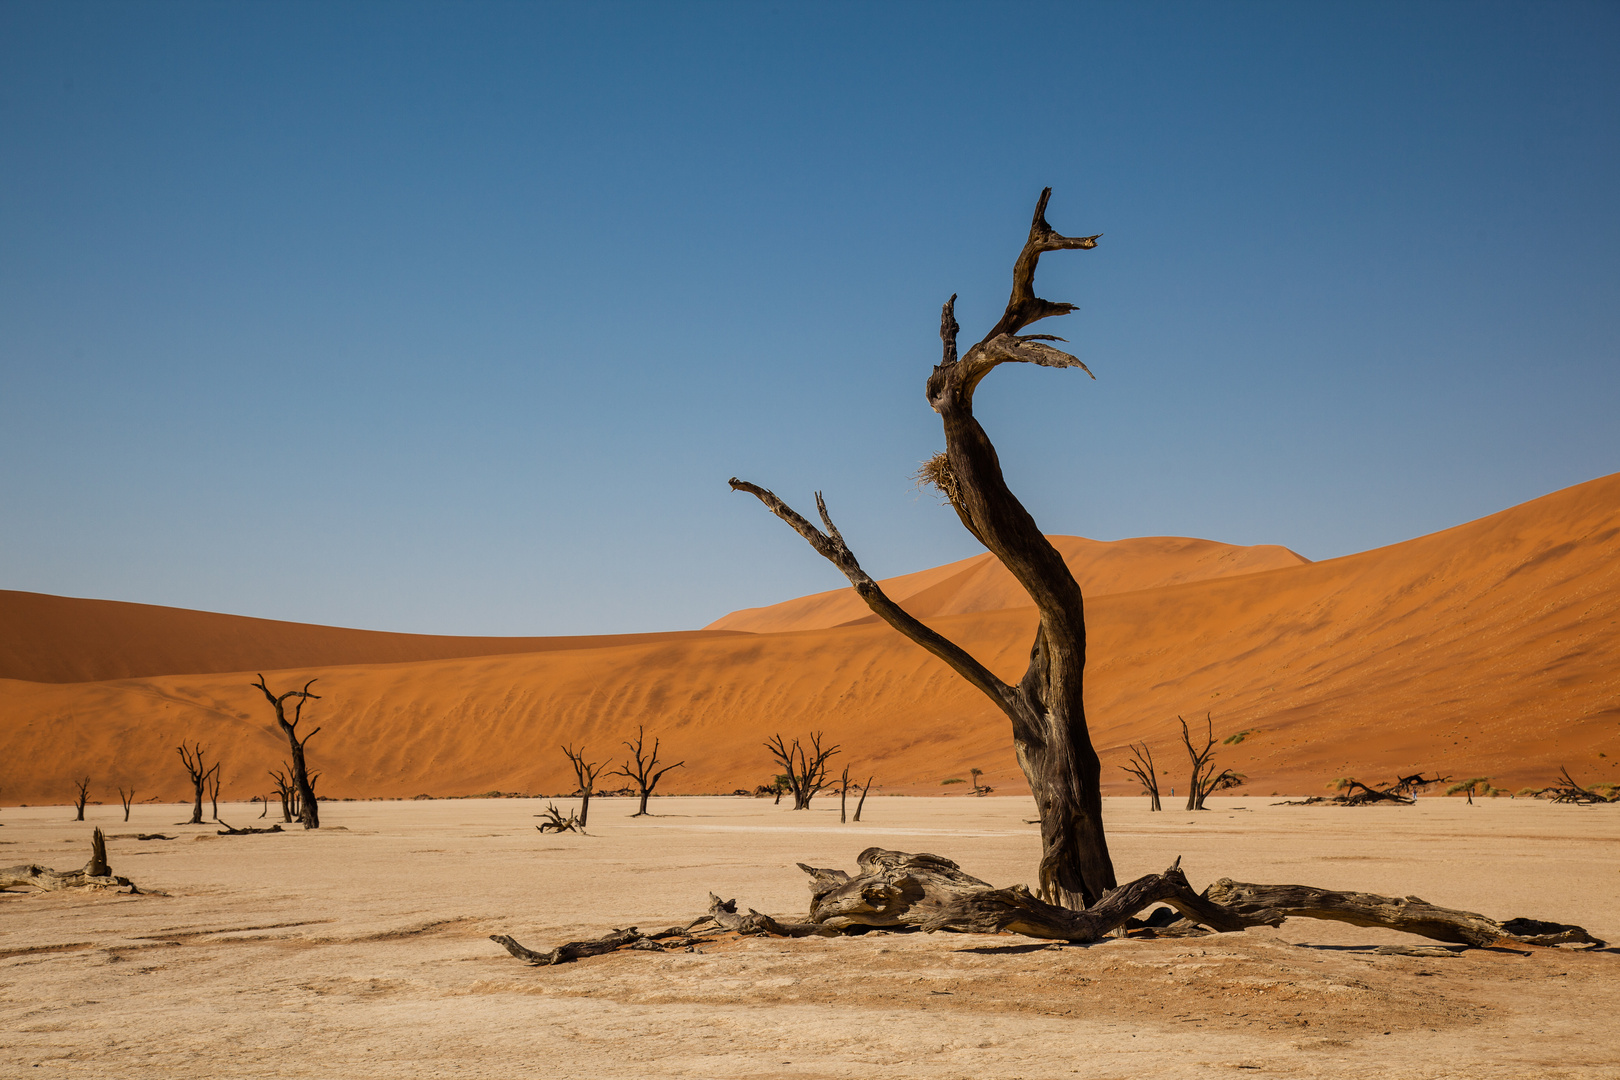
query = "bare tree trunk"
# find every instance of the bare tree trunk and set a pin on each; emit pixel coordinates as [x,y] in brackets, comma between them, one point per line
[199,773]
[126,800]
[585,776]
[83,796]
[308,811]
[806,770]
[1046,709]
[864,789]
[1141,767]
[644,771]
[213,792]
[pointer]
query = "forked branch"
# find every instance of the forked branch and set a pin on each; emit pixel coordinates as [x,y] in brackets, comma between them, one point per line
[831,546]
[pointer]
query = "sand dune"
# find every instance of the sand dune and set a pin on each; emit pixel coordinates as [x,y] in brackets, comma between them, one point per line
[981,583]
[1488,649]
[64,639]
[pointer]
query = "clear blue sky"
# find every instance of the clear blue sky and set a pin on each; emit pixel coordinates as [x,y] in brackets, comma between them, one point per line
[457,317]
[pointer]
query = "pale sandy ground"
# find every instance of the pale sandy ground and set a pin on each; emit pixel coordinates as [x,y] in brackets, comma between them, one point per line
[361,950]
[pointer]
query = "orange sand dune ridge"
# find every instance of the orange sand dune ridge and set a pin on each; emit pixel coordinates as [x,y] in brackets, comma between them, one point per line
[1490,649]
[981,583]
[64,639]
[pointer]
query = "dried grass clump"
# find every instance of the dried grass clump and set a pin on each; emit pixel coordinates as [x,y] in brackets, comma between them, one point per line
[936,473]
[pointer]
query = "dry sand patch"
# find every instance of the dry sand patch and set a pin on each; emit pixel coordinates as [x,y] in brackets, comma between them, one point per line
[362,950]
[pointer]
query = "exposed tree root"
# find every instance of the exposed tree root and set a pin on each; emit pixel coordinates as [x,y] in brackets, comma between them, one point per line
[96,874]
[895,890]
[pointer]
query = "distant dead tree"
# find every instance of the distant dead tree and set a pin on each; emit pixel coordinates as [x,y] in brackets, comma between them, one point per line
[286,791]
[981,790]
[1141,767]
[1566,790]
[585,776]
[83,789]
[642,767]
[1411,785]
[199,773]
[213,792]
[804,770]
[126,799]
[843,796]
[308,811]
[1204,777]
[865,788]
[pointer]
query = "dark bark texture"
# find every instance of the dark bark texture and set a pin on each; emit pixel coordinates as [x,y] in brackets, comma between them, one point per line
[1048,718]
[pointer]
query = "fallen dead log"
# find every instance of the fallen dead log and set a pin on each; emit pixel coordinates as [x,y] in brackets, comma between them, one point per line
[674,938]
[229,830]
[96,874]
[896,890]
[1271,904]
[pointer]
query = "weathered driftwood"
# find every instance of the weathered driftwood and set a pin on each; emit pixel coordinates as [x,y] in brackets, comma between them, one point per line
[1356,793]
[1045,706]
[96,874]
[229,831]
[1271,904]
[895,890]
[675,937]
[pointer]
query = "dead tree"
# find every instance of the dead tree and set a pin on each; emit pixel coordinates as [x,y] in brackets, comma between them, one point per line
[865,788]
[642,767]
[1204,777]
[126,799]
[1566,790]
[200,774]
[213,792]
[308,812]
[843,796]
[286,792]
[1141,767]
[555,822]
[805,769]
[1045,707]
[83,795]
[1411,785]
[585,775]
[981,790]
